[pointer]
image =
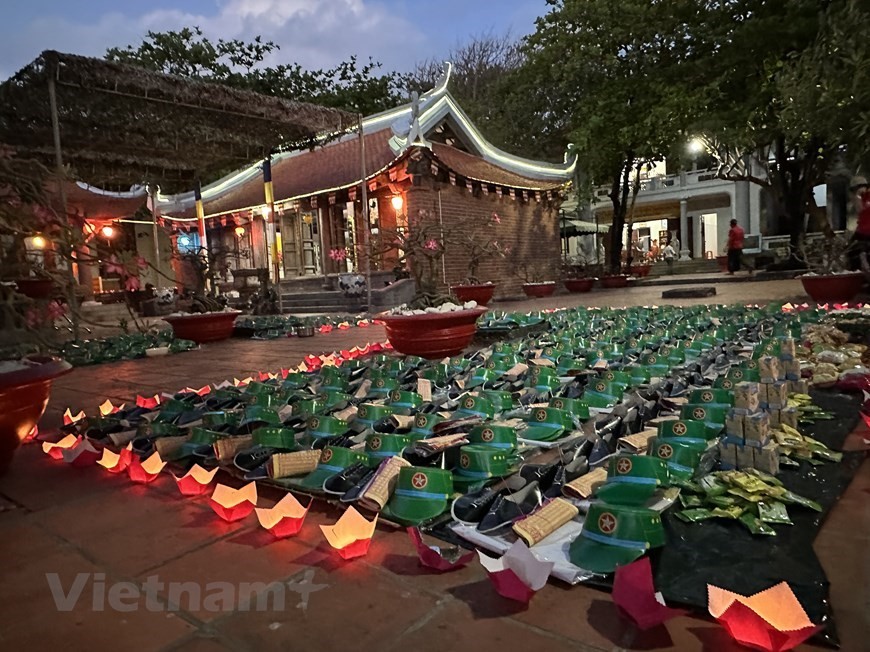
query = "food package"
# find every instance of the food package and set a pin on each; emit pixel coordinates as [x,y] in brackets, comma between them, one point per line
[734,424]
[789,416]
[769,369]
[745,457]
[767,458]
[727,454]
[801,386]
[756,428]
[787,348]
[792,369]
[746,397]
[777,394]
[774,414]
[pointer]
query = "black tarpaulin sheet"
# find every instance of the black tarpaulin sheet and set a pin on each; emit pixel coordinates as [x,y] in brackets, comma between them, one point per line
[726,554]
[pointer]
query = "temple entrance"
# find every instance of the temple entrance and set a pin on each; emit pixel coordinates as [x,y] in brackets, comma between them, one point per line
[301,244]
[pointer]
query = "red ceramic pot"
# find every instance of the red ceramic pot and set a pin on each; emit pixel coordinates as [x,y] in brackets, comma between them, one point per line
[640,270]
[23,398]
[835,288]
[433,335]
[481,293]
[206,327]
[618,281]
[35,288]
[579,284]
[537,290]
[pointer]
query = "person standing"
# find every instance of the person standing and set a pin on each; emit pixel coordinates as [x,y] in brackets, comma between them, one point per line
[736,235]
[669,254]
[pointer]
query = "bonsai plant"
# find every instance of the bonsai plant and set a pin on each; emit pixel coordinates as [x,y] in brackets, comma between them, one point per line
[537,279]
[432,324]
[475,239]
[575,274]
[829,279]
[27,322]
[207,318]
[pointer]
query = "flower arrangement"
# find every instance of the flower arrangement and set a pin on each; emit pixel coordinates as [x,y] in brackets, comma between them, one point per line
[476,239]
[338,255]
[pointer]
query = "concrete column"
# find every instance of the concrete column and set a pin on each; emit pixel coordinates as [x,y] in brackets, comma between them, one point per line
[685,254]
[741,210]
[697,242]
[86,273]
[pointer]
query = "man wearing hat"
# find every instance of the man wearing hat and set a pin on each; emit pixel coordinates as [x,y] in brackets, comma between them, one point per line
[860,241]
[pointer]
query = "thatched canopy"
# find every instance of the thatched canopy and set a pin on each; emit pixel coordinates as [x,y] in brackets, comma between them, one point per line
[122,125]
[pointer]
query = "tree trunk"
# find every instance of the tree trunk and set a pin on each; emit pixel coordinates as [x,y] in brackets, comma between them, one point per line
[619,199]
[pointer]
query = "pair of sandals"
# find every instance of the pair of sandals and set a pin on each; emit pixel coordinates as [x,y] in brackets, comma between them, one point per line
[496,507]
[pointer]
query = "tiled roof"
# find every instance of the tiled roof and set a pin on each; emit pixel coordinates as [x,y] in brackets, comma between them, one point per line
[336,165]
[475,168]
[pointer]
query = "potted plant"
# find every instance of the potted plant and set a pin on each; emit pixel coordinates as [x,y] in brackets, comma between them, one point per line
[828,279]
[575,274]
[353,285]
[537,279]
[473,237]
[432,325]
[27,322]
[207,319]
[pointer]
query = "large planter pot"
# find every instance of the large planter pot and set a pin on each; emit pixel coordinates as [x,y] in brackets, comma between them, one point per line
[205,327]
[833,288]
[353,285]
[579,284]
[433,335]
[481,293]
[537,290]
[23,397]
[617,281]
[641,271]
[35,288]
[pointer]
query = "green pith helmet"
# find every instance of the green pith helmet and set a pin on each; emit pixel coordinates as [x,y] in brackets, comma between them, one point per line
[633,479]
[615,535]
[421,494]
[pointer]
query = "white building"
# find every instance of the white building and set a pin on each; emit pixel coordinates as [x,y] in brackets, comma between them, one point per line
[694,206]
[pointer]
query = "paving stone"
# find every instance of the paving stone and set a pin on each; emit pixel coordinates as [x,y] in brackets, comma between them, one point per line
[136,528]
[359,610]
[454,628]
[31,619]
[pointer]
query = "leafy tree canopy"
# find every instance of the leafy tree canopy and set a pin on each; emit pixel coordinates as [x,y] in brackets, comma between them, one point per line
[350,85]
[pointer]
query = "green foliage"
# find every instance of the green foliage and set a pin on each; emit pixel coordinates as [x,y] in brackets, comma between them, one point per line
[189,53]
[617,79]
[756,118]
[826,90]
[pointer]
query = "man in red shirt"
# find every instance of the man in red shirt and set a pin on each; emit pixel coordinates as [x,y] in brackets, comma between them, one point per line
[735,249]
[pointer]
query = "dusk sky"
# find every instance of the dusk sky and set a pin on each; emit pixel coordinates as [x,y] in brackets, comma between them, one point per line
[314,33]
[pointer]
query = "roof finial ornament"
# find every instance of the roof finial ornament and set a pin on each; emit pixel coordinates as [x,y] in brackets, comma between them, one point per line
[415,135]
[443,80]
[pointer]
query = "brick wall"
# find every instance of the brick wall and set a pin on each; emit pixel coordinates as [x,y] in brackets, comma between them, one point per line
[529,227]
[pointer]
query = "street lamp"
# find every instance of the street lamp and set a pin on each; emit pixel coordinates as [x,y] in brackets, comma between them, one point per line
[108,231]
[696,146]
[397,202]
